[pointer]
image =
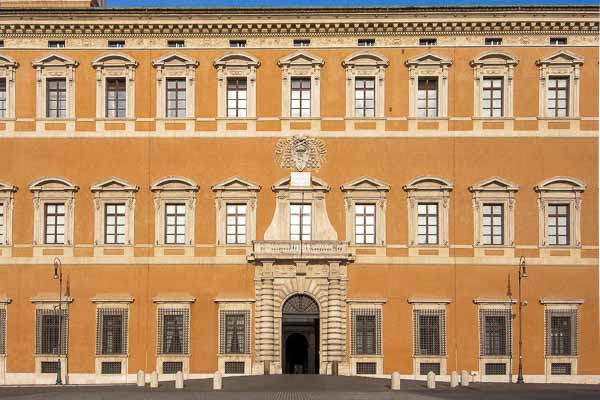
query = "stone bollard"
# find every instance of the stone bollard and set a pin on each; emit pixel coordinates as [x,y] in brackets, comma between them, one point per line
[218,381]
[454,379]
[464,378]
[396,381]
[154,379]
[179,380]
[431,380]
[141,378]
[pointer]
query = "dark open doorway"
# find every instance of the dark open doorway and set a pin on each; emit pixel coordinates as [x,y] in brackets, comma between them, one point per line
[300,335]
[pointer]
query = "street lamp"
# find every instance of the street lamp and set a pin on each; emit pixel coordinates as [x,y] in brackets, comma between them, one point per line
[522,274]
[58,275]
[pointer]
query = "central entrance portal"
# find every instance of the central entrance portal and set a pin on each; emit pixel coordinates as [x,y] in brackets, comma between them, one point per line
[300,335]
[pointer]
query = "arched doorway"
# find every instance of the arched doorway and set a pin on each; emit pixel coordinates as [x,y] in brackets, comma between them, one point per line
[300,335]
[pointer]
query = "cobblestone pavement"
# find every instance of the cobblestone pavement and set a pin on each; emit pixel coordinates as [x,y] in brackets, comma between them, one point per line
[299,387]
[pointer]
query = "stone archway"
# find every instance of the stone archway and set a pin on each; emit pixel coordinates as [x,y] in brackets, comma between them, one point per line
[300,335]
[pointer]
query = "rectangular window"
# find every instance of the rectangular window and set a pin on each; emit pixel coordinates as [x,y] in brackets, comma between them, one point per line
[300,221]
[430,332]
[561,332]
[56,44]
[110,367]
[301,42]
[56,98]
[54,223]
[2,331]
[111,334]
[300,106]
[237,43]
[50,326]
[493,224]
[427,223]
[1,223]
[428,42]
[366,331]
[427,97]
[364,97]
[234,332]
[173,331]
[114,223]
[116,95]
[176,43]
[558,96]
[175,223]
[558,41]
[116,44]
[492,103]
[495,332]
[236,223]
[558,224]
[236,97]
[3,97]
[176,97]
[364,215]
[1,43]
[493,41]
[366,42]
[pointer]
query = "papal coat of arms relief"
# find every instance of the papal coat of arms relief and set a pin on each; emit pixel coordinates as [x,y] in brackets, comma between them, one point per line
[300,153]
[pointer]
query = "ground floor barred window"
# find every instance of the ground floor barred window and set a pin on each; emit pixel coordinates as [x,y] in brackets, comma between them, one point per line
[173,331]
[235,332]
[51,331]
[429,332]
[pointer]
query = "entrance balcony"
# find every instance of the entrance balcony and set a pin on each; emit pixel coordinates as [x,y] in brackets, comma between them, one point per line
[300,250]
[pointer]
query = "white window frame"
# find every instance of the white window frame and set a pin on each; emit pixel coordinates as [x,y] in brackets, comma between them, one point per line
[8,71]
[366,190]
[242,306]
[563,190]
[109,191]
[174,189]
[428,189]
[365,64]
[52,190]
[7,196]
[301,64]
[367,307]
[565,64]
[175,65]
[494,64]
[428,65]
[494,190]
[49,67]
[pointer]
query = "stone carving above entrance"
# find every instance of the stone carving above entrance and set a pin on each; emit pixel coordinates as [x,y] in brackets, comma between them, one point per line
[300,152]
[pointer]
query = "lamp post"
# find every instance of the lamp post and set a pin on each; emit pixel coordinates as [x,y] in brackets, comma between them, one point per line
[58,275]
[522,274]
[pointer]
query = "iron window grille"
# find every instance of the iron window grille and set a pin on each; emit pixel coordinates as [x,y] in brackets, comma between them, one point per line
[56,98]
[364,97]
[300,221]
[427,97]
[235,332]
[427,223]
[3,98]
[176,43]
[301,42]
[235,367]
[116,44]
[236,223]
[366,42]
[364,215]
[493,41]
[366,331]
[558,41]
[111,331]
[495,368]
[2,331]
[428,42]
[560,369]
[176,98]
[300,101]
[1,223]
[56,44]
[558,96]
[116,95]
[49,325]
[493,97]
[561,332]
[54,226]
[49,367]
[173,331]
[175,215]
[114,223]
[111,368]
[429,332]
[237,43]
[366,368]
[172,367]
[237,91]
[558,224]
[425,368]
[493,224]
[495,335]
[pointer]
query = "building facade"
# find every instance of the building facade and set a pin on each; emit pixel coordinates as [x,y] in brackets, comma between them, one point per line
[265,191]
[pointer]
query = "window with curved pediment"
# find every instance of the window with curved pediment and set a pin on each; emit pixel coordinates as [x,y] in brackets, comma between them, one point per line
[559,85]
[365,84]
[236,87]
[428,86]
[493,89]
[115,86]
[428,206]
[559,204]
[301,85]
[8,68]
